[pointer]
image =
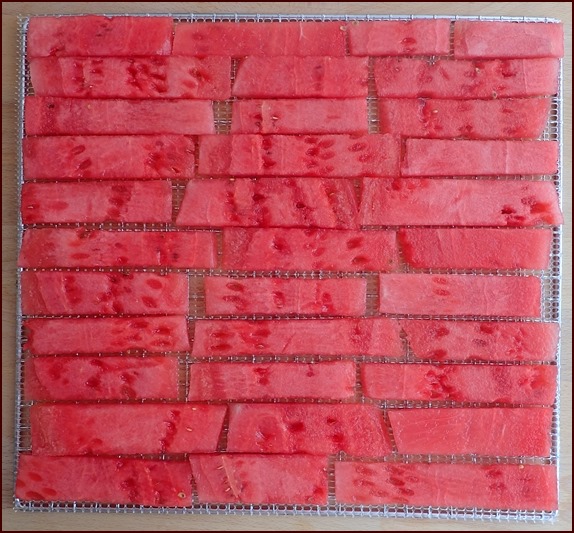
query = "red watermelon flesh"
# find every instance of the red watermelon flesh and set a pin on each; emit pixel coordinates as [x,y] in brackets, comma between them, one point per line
[109,156]
[91,35]
[442,340]
[47,115]
[104,480]
[103,429]
[342,156]
[309,249]
[100,378]
[50,336]
[476,247]
[269,202]
[497,486]
[264,381]
[260,479]
[132,77]
[524,384]
[505,118]
[465,79]
[334,337]
[260,39]
[497,431]
[277,296]
[293,116]
[110,201]
[317,429]
[301,77]
[429,294]
[103,293]
[482,39]
[458,202]
[58,247]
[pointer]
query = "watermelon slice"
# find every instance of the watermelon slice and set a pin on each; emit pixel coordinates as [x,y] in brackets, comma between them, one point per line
[100,429]
[103,293]
[495,431]
[91,35]
[465,79]
[55,247]
[50,336]
[343,156]
[47,115]
[497,486]
[260,479]
[481,39]
[301,77]
[451,202]
[443,340]
[428,294]
[269,202]
[310,249]
[100,378]
[429,37]
[265,381]
[105,157]
[525,384]
[433,157]
[260,39]
[104,480]
[110,201]
[132,77]
[335,337]
[292,116]
[277,296]
[317,429]
[476,247]
[505,118]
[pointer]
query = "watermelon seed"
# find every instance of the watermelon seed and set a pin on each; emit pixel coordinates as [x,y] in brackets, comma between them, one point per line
[181,494]
[188,429]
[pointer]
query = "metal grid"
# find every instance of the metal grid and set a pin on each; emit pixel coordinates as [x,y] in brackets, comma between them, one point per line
[550,312]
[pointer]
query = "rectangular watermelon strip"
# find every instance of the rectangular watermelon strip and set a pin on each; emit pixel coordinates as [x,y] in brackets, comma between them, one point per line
[132,77]
[504,118]
[109,157]
[429,37]
[110,201]
[269,202]
[48,115]
[317,429]
[476,247]
[265,381]
[80,247]
[524,384]
[457,202]
[442,340]
[94,35]
[433,157]
[300,116]
[430,294]
[53,336]
[309,249]
[482,39]
[497,486]
[104,480]
[465,79]
[334,337]
[104,429]
[260,39]
[100,378]
[260,479]
[496,431]
[104,293]
[301,77]
[276,296]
